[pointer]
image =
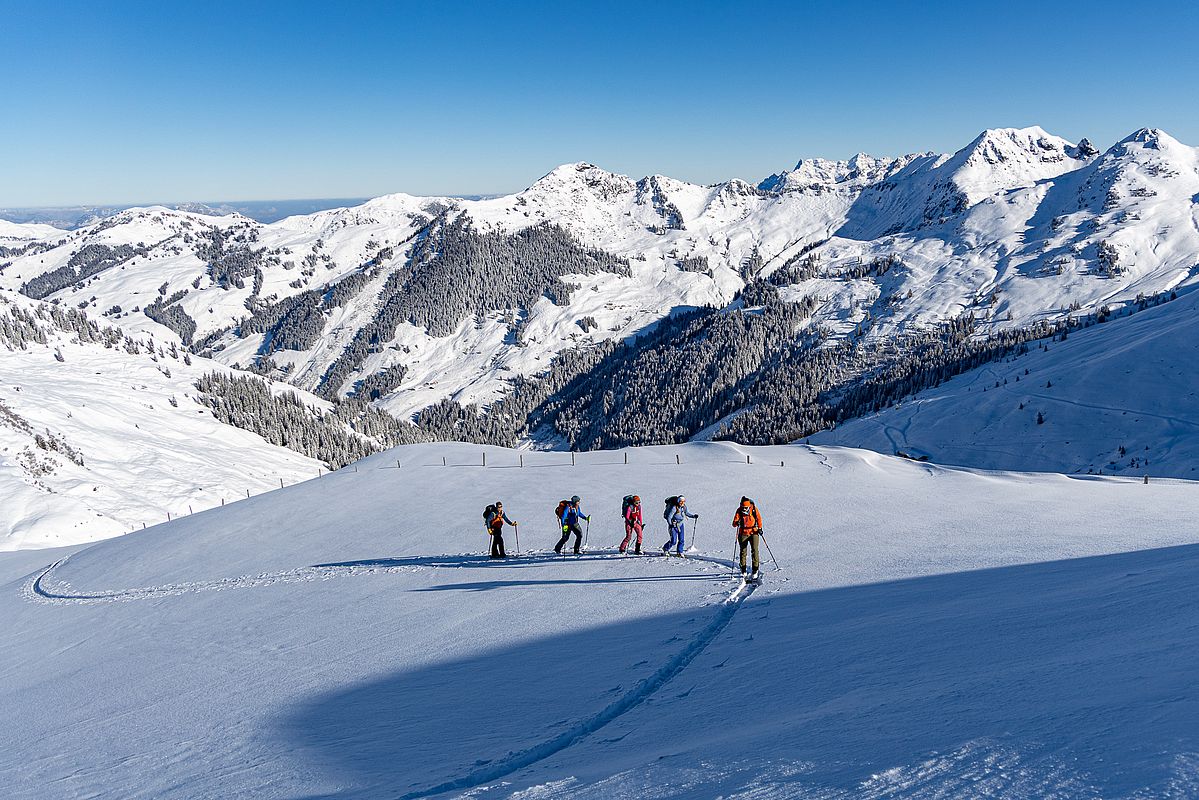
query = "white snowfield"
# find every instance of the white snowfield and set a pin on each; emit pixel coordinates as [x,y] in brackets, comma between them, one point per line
[932,632]
[1120,398]
[105,441]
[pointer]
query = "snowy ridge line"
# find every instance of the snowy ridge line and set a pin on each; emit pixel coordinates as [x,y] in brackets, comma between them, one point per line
[622,705]
[39,589]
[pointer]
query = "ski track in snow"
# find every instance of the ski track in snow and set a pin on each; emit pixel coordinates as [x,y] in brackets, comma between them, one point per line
[39,589]
[622,705]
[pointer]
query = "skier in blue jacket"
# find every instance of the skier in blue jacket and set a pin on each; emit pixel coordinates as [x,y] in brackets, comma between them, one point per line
[570,524]
[675,516]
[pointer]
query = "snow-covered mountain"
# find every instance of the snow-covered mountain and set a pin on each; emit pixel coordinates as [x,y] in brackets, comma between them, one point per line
[346,638]
[796,303]
[1014,228]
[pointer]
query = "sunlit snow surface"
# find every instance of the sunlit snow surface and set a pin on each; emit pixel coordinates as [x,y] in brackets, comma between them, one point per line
[933,632]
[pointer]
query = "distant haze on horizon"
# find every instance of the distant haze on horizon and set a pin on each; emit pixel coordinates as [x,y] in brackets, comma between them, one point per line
[126,102]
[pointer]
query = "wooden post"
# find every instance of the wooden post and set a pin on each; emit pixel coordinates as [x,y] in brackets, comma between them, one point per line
[143,526]
[168,516]
[522,460]
[355,467]
[484,458]
[318,473]
[747,458]
[222,501]
[189,509]
[1146,480]
[782,463]
[398,463]
[247,494]
[280,483]
[443,461]
[626,459]
[676,459]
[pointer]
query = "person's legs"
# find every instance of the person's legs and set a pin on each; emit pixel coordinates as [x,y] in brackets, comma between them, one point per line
[681,544]
[499,543]
[495,553]
[754,541]
[638,528]
[577,530]
[562,542]
[628,535]
[743,545]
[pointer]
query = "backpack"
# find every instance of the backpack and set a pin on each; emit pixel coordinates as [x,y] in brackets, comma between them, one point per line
[671,502]
[625,505]
[754,516]
[562,506]
[488,513]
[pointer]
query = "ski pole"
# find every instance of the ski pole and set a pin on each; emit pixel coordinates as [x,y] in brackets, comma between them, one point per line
[772,558]
[587,533]
[695,535]
[517,527]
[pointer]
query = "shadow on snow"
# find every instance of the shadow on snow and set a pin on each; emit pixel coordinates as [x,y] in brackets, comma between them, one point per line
[1087,662]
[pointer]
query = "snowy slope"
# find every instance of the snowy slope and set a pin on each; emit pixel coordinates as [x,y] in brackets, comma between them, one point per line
[1121,398]
[91,445]
[1013,229]
[339,639]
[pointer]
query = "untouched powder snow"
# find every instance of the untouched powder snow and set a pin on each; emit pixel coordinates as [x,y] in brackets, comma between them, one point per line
[932,632]
[1121,397]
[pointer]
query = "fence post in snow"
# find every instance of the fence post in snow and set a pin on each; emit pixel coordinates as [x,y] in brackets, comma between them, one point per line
[484,458]
[222,501]
[626,459]
[572,458]
[747,458]
[280,483]
[677,460]
[442,461]
[143,526]
[189,509]
[247,494]
[522,461]
[397,465]
[1146,480]
[168,516]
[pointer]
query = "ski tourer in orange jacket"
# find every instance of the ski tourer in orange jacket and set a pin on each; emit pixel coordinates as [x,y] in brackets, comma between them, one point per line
[747,518]
[748,522]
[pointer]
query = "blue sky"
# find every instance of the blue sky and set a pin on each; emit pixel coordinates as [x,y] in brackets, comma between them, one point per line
[125,102]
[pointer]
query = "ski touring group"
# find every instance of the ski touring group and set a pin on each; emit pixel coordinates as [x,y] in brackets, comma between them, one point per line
[747,524]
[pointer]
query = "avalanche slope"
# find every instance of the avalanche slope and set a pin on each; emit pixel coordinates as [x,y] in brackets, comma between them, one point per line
[1006,635]
[1120,397]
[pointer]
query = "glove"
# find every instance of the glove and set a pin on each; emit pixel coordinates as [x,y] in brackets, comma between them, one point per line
[566,529]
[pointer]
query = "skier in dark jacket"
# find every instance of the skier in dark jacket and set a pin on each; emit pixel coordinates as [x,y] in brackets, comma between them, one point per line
[675,516]
[495,519]
[570,524]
